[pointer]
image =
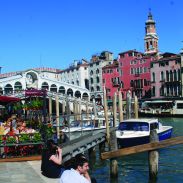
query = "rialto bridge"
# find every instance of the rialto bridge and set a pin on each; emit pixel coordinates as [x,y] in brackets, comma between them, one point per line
[15,84]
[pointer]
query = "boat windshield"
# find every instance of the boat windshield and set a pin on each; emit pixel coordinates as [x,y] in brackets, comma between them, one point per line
[134,126]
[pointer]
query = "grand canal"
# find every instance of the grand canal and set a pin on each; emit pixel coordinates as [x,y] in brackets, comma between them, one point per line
[134,168]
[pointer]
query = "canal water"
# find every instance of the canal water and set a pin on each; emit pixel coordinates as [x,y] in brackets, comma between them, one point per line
[134,168]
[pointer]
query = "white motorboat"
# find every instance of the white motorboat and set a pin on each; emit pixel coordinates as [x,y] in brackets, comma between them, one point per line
[136,131]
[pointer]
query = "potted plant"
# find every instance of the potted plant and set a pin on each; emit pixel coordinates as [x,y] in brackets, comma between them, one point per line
[11,140]
[36,137]
[23,138]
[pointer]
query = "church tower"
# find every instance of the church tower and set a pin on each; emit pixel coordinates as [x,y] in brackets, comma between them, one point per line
[151,38]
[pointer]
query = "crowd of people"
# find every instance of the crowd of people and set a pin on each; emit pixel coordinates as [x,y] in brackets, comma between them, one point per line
[75,170]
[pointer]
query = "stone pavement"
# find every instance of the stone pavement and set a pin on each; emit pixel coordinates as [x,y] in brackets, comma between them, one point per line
[23,172]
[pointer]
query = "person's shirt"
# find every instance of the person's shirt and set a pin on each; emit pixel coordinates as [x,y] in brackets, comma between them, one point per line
[49,168]
[72,176]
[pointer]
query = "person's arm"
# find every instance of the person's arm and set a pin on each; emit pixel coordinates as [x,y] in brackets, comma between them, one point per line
[57,158]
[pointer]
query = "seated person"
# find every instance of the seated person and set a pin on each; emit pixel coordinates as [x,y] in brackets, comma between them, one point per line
[79,172]
[52,160]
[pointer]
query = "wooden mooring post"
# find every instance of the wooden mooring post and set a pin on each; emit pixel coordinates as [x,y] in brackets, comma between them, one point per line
[128,105]
[120,103]
[113,143]
[136,107]
[153,157]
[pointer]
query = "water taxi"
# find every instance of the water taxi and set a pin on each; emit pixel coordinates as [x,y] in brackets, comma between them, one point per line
[133,132]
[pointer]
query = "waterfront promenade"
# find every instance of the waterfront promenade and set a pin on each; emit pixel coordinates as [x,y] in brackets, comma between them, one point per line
[23,172]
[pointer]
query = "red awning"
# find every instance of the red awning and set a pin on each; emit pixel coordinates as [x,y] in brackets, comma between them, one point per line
[7,99]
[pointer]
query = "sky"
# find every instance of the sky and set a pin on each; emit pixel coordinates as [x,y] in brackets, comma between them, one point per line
[54,33]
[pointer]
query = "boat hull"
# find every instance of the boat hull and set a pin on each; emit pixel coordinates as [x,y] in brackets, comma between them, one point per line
[133,141]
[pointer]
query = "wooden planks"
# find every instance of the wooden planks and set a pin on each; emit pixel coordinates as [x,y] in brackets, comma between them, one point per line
[142,148]
[18,159]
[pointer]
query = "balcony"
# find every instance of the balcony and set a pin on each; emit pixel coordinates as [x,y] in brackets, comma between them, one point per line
[115,84]
[137,75]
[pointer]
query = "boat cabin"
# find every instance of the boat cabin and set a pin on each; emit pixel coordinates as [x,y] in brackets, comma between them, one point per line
[140,125]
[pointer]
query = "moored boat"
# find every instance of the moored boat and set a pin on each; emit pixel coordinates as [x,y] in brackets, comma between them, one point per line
[161,108]
[133,132]
[87,125]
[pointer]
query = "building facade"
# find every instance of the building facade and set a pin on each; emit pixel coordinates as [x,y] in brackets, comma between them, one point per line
[76,74]
[135,74]
[166,76]
[95,74]
[111,81]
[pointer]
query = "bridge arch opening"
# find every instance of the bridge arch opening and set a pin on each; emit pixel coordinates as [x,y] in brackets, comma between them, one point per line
[70,92]
[85,96]
[53,88]
[78,94]
[61,90]
[1,90]
[45,86]
[18,86]
[8,89]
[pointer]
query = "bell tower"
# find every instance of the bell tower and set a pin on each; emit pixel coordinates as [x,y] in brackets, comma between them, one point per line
[151,38]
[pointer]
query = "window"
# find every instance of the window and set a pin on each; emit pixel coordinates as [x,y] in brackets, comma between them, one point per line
[91,73]
[175,75]
[153,77]
[91,80]
[131,71]
[153,91]
[145,69]
[141,70]
[179,105]
[167,76]
[131,83]
[162,91]
[162,78]
[145,82]
[98,88]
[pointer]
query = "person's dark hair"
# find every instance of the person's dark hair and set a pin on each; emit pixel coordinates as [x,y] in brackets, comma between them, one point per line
[51,146]
[79,160]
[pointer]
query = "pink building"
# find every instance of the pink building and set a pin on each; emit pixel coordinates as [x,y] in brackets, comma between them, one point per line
[110,75]
[135,74]
[166,76]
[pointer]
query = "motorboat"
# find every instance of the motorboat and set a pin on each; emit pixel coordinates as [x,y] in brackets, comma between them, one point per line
[134,132]
[87,124]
